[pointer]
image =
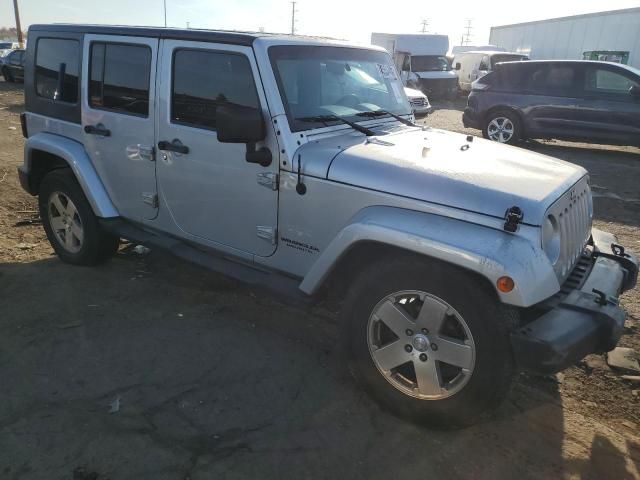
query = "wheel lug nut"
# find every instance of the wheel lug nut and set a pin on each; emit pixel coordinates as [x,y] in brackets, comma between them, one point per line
[409,332]
[434,347]
[423,357]
[408,348]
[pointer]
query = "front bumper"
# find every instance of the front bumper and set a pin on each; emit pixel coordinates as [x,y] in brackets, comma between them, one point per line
[470,119]
[587,320]
[422,111]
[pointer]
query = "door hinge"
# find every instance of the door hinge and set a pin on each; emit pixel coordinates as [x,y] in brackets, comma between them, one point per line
[267,233]
[269,180]
[150,199]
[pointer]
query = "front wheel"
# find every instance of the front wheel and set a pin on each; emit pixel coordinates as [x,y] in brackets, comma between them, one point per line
[503,127]
[69,222]
[429,342]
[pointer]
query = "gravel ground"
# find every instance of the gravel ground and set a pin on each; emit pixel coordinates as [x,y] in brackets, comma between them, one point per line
[148,367]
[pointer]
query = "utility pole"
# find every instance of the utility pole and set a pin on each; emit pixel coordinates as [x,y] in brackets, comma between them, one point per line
[425,24]
[165,12]
[18,27]
[468,27]
[293,18]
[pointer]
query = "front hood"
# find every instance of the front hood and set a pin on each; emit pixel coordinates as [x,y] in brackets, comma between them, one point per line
[434,166]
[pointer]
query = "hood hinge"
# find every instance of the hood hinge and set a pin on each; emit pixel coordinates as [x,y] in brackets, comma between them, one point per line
[512,218]
[269,180]
[267,233]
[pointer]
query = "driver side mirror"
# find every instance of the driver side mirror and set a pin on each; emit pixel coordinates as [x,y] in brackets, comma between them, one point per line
[458,66]
[239,124]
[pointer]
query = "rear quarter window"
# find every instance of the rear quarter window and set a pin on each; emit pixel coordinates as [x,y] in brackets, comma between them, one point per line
[57,68]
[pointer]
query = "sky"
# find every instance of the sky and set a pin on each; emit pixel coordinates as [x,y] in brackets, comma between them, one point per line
[346,19]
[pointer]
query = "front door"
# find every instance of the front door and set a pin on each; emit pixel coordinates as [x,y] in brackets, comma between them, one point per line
[210,190]
[118,118]
[552,94]
[608,110]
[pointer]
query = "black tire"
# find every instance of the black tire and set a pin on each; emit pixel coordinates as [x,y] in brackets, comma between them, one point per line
[8,77]
[97,245]
[512,117]
[488,321]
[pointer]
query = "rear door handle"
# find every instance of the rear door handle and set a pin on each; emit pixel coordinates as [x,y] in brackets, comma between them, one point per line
[97,130]
[174,146]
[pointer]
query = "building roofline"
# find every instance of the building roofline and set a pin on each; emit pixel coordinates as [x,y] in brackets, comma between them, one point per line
[571,17]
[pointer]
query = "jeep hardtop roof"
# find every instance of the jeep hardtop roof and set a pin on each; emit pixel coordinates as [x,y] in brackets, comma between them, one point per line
[232,37]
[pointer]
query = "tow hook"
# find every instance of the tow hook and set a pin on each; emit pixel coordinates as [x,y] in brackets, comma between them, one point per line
[603,299]
[513,217]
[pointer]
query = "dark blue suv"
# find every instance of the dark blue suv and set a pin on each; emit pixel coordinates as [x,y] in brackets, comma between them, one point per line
[594,102]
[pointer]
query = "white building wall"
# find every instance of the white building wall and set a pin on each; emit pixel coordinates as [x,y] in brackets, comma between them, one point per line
[570,37]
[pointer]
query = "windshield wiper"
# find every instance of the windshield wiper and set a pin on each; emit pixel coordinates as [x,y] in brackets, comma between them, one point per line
[334,118]
[383,113]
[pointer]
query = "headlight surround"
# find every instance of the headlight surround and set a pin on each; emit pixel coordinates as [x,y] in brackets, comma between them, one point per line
[551,238]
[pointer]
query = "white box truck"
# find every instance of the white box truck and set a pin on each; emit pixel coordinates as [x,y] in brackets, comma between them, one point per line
[425,56]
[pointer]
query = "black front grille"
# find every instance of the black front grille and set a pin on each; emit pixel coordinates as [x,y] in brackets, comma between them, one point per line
[574,281]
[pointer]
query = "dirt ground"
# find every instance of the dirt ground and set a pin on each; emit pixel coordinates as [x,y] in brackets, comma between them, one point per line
[150,368]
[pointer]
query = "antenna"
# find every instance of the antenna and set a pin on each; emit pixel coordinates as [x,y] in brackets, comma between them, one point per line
[468,27]
[293,18]
[425,25]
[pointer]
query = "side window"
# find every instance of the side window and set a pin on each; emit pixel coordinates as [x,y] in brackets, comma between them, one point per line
[605,81]
[57,66]
[484,64]
[119,76]
[553,80]
[203,80]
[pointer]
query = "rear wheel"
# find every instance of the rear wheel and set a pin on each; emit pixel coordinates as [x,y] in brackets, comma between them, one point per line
[503,126]
[8,77]
[429,342]
[69,222]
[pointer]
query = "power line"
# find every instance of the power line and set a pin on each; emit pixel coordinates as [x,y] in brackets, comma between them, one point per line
[425,24]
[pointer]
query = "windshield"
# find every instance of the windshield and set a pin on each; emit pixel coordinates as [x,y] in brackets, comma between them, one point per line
[430,63]
[323,81]
[495,59]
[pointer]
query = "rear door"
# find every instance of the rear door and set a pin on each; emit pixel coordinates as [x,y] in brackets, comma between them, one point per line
[552,90]
[118,115]
[607,110]
[210,190]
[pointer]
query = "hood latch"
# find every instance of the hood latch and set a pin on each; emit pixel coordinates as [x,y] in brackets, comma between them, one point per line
[512,217]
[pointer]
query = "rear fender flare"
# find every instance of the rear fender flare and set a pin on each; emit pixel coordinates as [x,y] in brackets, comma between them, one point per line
[74,154]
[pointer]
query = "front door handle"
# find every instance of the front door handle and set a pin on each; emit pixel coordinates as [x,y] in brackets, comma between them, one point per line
[173,146]
[97,130]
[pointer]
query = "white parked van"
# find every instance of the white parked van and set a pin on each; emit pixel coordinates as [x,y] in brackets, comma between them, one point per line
[425,56]
[471,66]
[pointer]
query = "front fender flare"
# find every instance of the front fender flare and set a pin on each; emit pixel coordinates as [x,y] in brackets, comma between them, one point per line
[487,251]
[76,157]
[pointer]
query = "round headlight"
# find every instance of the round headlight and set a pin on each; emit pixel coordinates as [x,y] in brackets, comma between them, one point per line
[551,238]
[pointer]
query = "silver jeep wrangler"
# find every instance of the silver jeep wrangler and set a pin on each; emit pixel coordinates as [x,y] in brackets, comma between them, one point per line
[294,163]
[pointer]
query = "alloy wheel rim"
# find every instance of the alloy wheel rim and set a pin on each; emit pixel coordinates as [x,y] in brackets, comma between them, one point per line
[65,222]
[500,129]
[421,345]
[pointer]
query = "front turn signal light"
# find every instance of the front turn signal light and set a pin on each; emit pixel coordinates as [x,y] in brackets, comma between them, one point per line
[505,284]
